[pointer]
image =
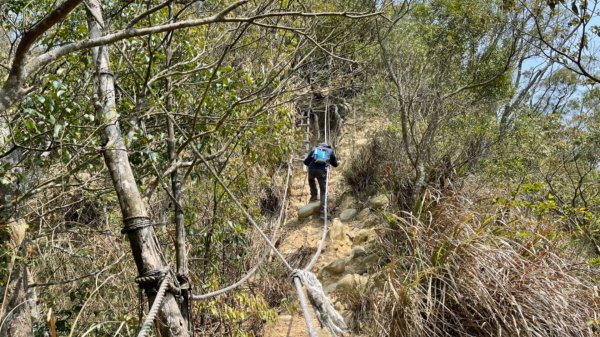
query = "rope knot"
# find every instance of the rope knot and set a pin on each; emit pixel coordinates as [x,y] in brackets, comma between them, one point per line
[151,280]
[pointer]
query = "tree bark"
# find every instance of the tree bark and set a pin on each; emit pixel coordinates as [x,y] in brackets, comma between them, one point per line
[182,270]
[144,247]
[16,314]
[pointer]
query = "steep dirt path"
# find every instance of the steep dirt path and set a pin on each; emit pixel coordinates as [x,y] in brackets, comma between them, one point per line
[343,264]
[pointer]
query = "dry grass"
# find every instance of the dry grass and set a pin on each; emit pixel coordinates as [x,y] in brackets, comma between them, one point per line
[381,163]
[456,272]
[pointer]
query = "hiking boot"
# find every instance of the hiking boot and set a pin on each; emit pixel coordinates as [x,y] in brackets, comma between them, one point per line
[313,199]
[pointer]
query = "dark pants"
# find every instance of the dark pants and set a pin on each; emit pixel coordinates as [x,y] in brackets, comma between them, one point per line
[321,177]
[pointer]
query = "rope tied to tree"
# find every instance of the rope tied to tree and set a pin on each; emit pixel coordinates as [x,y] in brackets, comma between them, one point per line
[151,279]
[160,295]
[134,223]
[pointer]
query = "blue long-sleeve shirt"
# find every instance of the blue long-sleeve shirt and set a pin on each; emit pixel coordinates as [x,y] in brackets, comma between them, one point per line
[320,166]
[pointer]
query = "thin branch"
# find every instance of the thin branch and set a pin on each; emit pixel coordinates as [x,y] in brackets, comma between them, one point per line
[50,56]
[148,12]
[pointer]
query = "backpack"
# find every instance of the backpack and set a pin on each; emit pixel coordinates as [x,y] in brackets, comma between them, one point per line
[320,155]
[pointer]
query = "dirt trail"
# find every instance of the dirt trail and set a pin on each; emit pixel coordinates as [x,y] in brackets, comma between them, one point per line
[304,235]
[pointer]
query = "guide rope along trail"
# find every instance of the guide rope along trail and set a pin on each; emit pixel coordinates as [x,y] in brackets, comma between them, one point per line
[326,313]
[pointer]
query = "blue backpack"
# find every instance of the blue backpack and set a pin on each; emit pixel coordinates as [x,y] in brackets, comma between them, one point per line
[321,155]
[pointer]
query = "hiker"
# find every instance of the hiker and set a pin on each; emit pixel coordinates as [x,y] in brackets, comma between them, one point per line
[318,159]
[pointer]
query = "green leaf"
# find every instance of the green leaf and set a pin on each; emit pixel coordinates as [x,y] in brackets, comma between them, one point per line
[56,131]
[30,125]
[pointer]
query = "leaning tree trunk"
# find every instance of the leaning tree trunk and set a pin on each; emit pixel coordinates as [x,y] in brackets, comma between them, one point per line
[144,247]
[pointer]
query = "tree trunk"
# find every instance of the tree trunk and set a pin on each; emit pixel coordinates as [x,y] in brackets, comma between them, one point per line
[144,247]
[15,308]
[182,270]
[16,313]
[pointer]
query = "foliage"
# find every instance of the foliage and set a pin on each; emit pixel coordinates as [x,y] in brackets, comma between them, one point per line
[245,314]
[443,72]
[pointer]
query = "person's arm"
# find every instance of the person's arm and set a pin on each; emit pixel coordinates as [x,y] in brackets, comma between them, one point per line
[308,158]
[333,159]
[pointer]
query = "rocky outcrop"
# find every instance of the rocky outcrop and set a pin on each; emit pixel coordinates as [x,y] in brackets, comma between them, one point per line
[358,262]
[363,236]
[350,284]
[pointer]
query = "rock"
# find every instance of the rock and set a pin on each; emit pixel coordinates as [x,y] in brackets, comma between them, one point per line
[361,265]
[351,283]
[309,209]
[360,261]
[336,267]
[378,202]
[348,214]
[358,251]
[363,236]
[336,233]
[364,214]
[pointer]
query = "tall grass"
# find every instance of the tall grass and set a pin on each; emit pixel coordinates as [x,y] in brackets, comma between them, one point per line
[458,272]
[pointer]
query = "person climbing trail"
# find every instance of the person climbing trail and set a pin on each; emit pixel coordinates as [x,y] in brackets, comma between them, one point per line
[318,160]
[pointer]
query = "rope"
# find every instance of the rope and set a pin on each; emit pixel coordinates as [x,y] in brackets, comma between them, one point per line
[326,313]
[252,271]
[149,279]
[246,214]
[315,257]
[134,223]
[304,305]
[155,306]
[325,215]
[297,281]
[320,296]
